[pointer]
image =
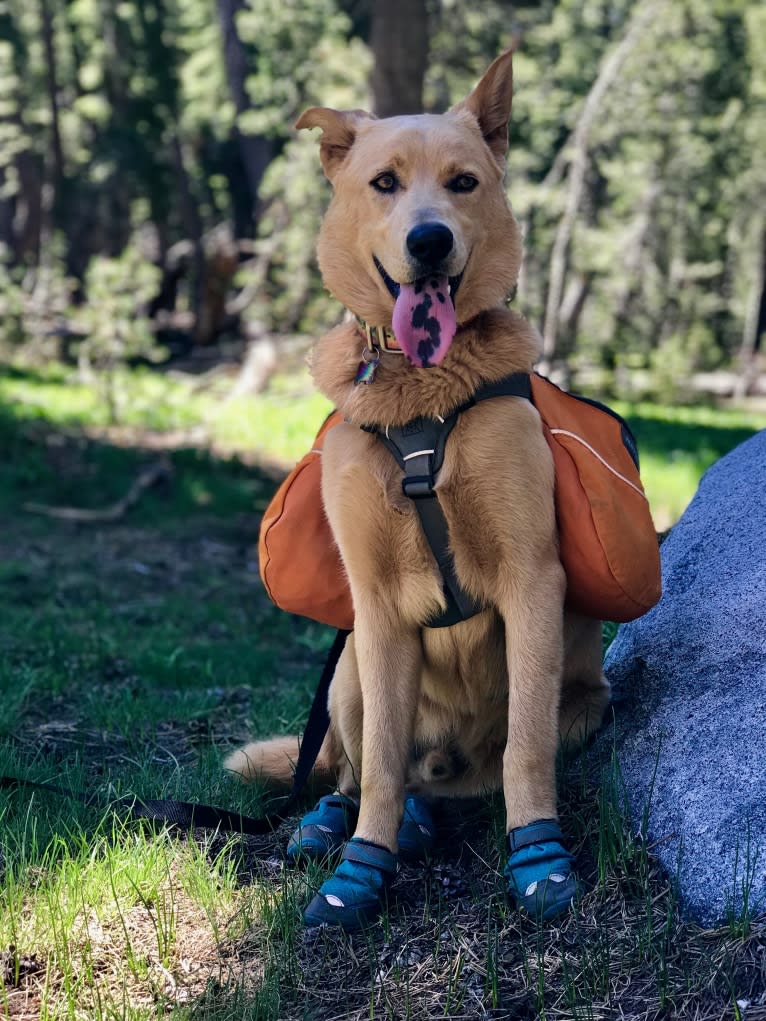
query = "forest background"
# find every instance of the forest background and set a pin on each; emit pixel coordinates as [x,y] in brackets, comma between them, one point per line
[155,199]
[158,293]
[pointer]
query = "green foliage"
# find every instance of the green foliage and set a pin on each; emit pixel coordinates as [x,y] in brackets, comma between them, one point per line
[292,42]
[12,304]
[116,287]
[303,59]
[115,330]
[660,234]
[677,356]
[172,120]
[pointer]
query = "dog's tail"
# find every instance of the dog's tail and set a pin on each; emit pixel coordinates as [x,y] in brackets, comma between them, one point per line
[272,763]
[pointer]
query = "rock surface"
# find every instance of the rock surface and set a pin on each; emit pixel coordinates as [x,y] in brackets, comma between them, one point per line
[689,679]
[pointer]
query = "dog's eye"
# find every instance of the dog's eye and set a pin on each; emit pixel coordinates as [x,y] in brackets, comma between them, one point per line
[385,182]
[463,182]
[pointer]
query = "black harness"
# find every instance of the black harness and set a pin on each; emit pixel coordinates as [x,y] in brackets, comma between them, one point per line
[418,447]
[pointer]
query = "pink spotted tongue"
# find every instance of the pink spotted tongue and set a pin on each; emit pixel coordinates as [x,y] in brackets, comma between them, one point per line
[424,320]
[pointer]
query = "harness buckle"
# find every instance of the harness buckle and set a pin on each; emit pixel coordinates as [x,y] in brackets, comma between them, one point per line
[418,487]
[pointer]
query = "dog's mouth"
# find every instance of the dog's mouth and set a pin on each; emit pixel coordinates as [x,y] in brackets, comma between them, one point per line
[423,319]
[394,287]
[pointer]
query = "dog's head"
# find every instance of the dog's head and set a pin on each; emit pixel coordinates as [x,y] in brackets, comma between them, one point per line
[419,233]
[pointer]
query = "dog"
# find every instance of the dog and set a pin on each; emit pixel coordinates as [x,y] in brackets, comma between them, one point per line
[420,239]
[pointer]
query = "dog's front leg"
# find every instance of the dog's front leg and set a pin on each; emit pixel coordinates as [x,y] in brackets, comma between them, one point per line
[389,661]
[539,867]
[389,654]
[394,587]
[534,628]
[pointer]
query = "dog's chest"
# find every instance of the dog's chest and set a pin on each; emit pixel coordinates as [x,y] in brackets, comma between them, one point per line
[494,489]
[496,480]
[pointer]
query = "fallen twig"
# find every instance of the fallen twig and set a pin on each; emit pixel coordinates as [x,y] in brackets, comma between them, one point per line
[155,472]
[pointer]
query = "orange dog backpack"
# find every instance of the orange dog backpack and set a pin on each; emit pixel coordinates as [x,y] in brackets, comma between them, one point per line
[608,544]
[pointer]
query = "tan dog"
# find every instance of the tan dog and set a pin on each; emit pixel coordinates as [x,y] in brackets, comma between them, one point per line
[419,207]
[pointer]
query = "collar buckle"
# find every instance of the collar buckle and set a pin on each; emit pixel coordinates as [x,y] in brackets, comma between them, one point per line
[380,338]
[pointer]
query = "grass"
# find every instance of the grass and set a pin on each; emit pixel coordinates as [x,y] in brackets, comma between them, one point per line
[676,444]
[279,425]
[133,655]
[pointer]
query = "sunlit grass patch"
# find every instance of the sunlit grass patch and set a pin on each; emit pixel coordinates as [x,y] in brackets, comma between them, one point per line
[278,424]
[121,921]
[678,444]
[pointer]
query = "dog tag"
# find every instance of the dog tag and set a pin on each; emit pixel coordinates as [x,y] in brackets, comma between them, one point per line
[369,363]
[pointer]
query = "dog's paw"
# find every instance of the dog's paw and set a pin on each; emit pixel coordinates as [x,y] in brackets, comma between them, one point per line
[417,834]
[539,870]
[354,896]
[323,830]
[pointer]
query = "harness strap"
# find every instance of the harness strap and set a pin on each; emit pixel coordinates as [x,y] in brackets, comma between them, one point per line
[518,384]
[418,447]
[460,606]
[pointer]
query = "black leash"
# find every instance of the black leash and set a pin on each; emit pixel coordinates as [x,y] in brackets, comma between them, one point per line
[186,815]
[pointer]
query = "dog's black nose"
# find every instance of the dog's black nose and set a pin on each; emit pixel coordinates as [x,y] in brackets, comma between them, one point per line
[430,242]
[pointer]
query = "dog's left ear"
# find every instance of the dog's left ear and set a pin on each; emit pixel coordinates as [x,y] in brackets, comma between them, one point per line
[490,104]
[339,129]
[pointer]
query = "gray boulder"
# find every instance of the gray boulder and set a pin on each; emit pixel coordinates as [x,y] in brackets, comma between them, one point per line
[689,692]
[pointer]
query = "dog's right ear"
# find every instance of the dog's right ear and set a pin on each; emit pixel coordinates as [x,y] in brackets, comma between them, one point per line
[338,133]
[490,104]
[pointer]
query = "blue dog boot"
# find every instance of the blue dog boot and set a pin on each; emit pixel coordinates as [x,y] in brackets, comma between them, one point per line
[539,869]
[323,830]
[417,834]
[354,895]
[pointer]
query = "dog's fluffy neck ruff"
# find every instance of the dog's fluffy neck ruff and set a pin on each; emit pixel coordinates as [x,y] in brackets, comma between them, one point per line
[494,344]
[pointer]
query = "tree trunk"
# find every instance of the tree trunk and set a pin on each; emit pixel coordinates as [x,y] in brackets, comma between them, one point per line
[633,249]
[256,152]
[193,226]
[399,41]
[57,152]
[610,68]
[573,304]
[755,322]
